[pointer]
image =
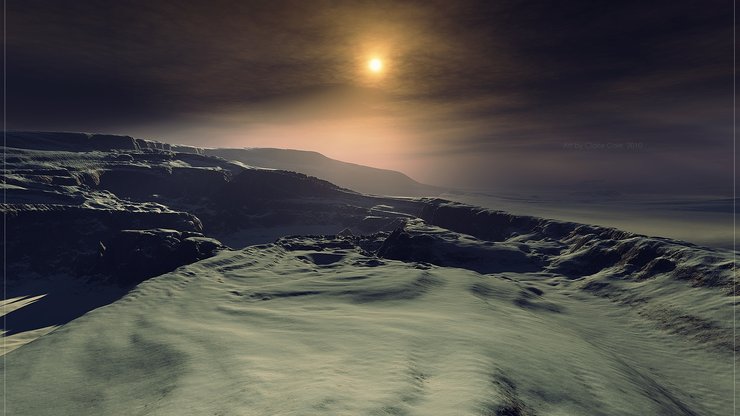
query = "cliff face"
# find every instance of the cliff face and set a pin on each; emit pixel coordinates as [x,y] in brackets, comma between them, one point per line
[68,194]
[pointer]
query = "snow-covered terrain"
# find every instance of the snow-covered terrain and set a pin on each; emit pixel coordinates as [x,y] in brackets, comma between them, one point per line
[146,281]
[347,175]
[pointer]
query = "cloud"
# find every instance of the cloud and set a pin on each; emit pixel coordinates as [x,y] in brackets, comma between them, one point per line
[469,84]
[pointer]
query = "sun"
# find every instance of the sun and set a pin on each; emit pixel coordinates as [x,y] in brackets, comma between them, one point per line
[375,65]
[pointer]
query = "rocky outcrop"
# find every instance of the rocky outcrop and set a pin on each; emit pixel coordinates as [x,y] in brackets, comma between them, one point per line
[131,256]
[421,243]
[66,239]
[70,142]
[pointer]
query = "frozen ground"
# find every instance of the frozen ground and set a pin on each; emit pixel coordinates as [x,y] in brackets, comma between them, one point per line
[317,326]
[134,288]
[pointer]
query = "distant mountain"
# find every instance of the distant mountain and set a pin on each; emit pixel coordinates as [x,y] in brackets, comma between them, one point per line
[359,178]
[352,176]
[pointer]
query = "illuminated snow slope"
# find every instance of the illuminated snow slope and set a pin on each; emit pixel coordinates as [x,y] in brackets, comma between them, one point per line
[314,326]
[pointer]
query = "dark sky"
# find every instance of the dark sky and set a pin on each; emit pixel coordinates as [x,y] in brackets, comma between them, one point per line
[576,95]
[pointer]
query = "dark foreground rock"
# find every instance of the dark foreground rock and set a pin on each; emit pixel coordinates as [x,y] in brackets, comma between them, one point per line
[135,255]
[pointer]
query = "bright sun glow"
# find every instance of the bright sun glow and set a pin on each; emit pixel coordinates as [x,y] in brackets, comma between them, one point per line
[376,65]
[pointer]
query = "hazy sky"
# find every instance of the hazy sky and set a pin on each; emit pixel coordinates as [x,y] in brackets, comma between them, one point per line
[579,95]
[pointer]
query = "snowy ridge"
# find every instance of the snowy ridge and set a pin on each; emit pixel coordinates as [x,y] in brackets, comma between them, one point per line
[348,175]
[179,283]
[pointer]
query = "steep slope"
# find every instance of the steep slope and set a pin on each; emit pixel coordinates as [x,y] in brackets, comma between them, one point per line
[121,210]
[347,175]
[113,183]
